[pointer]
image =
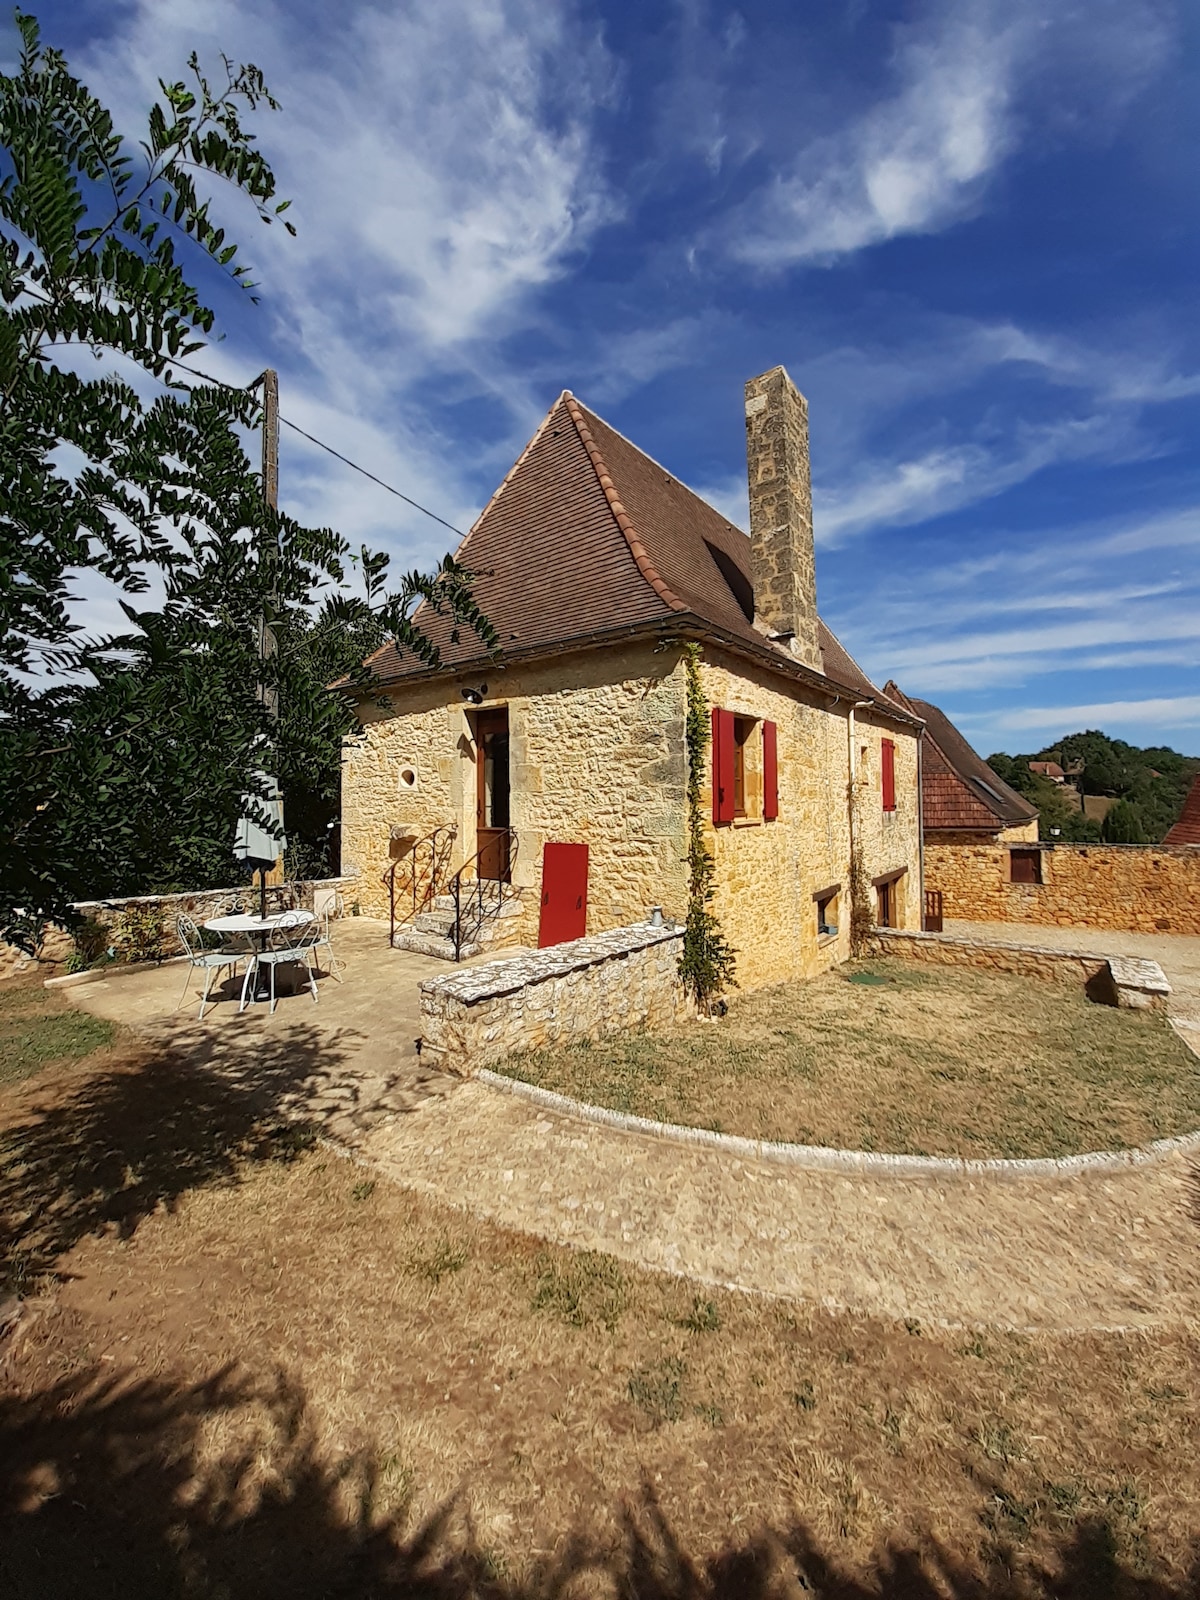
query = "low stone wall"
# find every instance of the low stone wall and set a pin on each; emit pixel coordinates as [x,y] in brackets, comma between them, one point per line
[1077,967]
[142,927]
[1125,888]
[1110,980]
[626,978]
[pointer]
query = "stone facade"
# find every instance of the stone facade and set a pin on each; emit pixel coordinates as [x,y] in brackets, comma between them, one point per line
[1129,888]
[597,757]
[624,979]
[769,872]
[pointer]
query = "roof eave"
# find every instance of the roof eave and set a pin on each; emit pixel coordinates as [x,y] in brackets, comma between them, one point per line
[684,623]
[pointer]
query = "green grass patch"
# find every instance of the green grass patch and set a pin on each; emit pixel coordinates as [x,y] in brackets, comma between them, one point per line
[37,1029]
[914,1061]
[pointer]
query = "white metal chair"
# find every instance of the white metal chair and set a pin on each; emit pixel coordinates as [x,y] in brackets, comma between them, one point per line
[207,961]
[325,940]
[294,939]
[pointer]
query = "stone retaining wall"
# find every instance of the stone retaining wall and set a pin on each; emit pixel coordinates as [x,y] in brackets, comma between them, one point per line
[132,922]
[1125,888]
[1077,967]
[626,978]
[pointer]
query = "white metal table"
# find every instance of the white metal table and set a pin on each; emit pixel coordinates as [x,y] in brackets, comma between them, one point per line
[259,927]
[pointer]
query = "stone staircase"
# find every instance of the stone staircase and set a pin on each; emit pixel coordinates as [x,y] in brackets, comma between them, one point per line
[431,932]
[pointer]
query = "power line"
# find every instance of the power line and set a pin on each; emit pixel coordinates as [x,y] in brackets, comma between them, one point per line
[321,445]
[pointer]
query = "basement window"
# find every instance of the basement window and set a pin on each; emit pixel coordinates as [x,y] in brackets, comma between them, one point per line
[1025,866]
[827,912]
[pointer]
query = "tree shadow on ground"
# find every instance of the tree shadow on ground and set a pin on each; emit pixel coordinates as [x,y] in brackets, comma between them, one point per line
[104,1150]
[111,1487]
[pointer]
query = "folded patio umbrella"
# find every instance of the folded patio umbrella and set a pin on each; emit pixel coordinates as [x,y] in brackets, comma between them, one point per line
[254,843]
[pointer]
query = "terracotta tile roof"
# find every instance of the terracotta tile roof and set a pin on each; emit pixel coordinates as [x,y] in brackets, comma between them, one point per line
[959,789]
[589,537]
[1187,829]
[1047,769]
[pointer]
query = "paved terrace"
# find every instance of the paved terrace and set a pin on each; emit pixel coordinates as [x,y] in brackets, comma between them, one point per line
[1092,1250]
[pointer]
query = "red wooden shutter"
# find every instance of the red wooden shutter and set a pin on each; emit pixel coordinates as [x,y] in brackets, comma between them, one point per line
[770,772]
[889,775]
[722,765]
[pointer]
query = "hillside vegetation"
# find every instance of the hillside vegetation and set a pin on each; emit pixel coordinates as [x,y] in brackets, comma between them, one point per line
[1149,785]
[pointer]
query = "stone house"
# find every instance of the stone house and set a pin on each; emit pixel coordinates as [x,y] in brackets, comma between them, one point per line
[547,788]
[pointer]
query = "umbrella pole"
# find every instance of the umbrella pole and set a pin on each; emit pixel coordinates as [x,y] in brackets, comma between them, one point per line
[262,893]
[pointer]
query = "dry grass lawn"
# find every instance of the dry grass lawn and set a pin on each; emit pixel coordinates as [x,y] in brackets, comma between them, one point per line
[305,1382]
[889,1057]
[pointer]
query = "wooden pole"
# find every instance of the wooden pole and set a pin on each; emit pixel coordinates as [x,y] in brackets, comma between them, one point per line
[270,481]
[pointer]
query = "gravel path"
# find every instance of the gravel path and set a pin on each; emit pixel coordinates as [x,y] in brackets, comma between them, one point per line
[1090,1251]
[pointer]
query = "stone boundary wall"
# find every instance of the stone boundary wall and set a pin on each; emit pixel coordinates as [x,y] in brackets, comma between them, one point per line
[199,904]
[1078,967]
[827,1158]
[626,978]
[1124,888]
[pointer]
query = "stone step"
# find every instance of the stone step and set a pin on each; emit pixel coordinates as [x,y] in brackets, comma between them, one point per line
[440,922]
[431,944]
[503,905]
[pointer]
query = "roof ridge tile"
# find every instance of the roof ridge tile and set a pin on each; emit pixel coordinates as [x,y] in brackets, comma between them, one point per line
[604,477]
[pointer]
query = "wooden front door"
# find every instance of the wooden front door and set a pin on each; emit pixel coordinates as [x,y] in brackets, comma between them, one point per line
[492,794]
[564,894]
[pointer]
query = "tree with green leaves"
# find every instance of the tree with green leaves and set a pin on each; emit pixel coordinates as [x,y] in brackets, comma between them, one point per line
[1123,824]
[123,758]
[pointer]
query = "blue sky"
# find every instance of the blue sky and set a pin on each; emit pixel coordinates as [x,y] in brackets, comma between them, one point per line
[969,230]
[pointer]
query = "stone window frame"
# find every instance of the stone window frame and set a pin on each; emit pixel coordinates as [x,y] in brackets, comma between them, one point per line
[823,899]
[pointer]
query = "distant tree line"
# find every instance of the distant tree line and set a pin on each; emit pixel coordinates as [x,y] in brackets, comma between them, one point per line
[1149,786]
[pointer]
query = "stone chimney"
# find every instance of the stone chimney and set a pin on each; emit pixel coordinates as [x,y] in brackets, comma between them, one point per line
[781,537]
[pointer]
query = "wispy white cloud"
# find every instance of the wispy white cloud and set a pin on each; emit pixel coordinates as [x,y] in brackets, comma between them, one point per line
[912,162]
[1162,711]
[899,494]
[919,158]
[442,166]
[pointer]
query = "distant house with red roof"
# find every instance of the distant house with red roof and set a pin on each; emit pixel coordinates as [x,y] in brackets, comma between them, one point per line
[1187,829]
[557,777]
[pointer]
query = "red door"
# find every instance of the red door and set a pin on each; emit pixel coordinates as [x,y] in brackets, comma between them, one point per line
[564,894]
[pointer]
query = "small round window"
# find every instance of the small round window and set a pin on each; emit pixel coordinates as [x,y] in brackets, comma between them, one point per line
[408,777]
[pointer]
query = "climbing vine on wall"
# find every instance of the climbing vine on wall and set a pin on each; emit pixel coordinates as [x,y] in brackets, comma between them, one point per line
[707,964]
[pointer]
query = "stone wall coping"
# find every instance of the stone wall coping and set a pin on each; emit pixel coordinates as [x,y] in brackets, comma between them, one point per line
[821,1158]
[202,894]
[1135,972]
[956,941]
[496,978]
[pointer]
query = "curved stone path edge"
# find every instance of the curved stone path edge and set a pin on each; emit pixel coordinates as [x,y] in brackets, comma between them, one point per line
[825,1158]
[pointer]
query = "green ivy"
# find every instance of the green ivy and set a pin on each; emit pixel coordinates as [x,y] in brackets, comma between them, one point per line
[707,964]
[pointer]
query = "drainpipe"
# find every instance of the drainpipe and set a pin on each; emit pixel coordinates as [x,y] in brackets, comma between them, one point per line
[857,705]
[921,829]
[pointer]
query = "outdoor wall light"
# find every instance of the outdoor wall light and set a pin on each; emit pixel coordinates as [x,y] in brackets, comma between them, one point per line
[475,696]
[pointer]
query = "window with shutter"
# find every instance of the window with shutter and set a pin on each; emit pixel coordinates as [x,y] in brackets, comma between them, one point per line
[770,772]
[889,775]
[722,765]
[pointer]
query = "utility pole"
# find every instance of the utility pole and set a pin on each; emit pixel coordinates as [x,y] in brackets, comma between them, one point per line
[268,692]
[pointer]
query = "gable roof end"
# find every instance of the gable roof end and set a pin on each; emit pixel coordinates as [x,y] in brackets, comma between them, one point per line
[960,790]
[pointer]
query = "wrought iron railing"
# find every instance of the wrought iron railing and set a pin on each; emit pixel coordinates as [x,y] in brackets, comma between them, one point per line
[414,881]
[475,898]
